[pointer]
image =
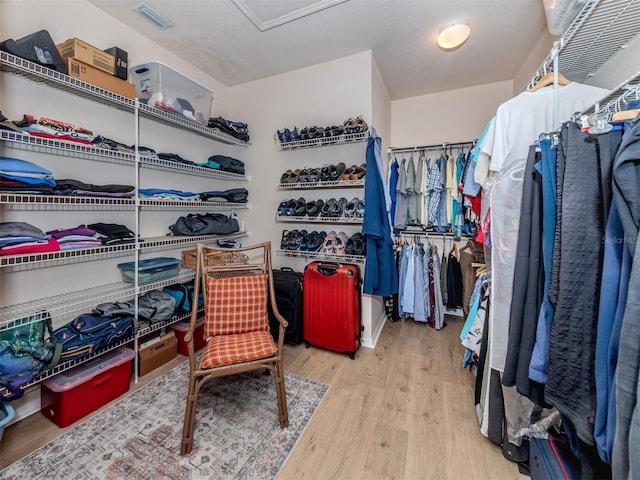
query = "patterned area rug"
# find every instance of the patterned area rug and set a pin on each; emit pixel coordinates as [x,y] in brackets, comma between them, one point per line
[237,434]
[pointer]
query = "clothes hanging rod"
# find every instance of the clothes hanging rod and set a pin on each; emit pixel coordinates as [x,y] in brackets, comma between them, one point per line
[423,233]
[613,102]
[438,146]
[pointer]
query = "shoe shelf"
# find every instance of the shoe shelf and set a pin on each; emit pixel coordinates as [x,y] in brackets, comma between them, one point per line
[349,220]
[37,73]
[24,141]
[322,256]
[31,261]
[322,141]
[319,185]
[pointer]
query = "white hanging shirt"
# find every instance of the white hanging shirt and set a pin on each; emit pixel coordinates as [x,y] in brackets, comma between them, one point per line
[520,121]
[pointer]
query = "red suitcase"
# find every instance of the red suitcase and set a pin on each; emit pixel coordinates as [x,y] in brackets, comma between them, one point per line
[331,299]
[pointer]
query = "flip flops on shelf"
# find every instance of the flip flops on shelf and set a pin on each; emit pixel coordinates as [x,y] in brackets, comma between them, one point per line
[322,243]
[331,210]
[351,130]
[328,175]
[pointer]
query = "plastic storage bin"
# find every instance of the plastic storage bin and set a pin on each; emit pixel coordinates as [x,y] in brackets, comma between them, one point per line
[181,330]
[164,88]
[150,269]
[75,393]
[7,413]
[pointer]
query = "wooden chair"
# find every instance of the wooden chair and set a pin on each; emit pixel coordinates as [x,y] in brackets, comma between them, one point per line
[237,285]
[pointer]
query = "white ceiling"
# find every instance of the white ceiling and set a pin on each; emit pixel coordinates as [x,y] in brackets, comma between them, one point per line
[221,40]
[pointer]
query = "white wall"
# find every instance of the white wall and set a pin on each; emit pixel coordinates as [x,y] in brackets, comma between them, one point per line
[451,116]
[530,65]
[373,306]
[323,95]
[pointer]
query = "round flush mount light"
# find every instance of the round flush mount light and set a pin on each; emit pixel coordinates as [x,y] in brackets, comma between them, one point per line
[453,35]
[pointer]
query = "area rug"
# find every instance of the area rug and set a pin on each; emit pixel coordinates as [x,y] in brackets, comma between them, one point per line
[237,433]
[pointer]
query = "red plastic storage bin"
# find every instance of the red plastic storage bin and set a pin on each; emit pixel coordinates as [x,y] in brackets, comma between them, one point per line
[75,393]
[198,335]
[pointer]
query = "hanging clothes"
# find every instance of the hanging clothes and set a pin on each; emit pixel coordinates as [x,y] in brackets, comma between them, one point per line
[402,202]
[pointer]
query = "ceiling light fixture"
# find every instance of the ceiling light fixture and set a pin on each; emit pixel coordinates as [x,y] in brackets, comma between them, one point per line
[154,17]
[453,35]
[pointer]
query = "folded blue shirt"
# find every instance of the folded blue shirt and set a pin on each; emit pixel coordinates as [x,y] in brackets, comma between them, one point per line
[15,166]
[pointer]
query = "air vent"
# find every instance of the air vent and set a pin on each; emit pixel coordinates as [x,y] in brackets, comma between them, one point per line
[154,17]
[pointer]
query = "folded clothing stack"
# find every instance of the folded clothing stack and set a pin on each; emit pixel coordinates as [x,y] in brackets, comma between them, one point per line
[226,164]
[76,237]
[18,175]
[56,129]
[20,237]
[161,193]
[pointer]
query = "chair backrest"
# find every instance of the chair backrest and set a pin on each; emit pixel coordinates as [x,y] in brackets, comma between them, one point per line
[236,288]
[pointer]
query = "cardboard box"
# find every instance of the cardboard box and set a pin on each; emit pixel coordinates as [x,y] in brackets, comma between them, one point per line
[74,393]
[198,335]
[87,73]
[122,61]
[88,54]
[157,353]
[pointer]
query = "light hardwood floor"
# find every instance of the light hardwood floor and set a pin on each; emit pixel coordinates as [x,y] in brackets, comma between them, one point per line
[403,410]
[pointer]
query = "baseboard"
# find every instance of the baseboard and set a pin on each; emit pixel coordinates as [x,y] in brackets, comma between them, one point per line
[376,335]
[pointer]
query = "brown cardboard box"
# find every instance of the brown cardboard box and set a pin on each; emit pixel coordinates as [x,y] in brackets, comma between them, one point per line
[156,354]
[88,54]
[89,74]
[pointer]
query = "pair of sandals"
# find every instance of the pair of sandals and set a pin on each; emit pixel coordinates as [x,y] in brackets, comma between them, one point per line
[355,125]
[354,208]
[301,240]
[300,208]
[355,172]
[292,207]
[333,208]
[341,244]
[332,173]
[334,243]
[285,135]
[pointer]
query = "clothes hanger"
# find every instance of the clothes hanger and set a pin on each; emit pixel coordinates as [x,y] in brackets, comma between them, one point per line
[481,270]
[454,250]
[622,115]
[547,79]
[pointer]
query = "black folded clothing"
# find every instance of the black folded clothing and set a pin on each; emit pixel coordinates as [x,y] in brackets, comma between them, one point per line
[67,186]
[113,233]
[239,130]
[228,164]
[234,195]
[173,157]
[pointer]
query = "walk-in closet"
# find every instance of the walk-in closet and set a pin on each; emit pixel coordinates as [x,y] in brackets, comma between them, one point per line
[335,239]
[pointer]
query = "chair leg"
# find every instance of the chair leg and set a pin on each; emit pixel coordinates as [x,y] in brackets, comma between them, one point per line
[282,396]
[189,418]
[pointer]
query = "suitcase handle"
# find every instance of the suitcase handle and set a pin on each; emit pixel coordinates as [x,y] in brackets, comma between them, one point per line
[286,269]
[328,269]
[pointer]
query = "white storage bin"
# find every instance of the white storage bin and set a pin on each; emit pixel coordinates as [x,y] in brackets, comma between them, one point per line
[167,89]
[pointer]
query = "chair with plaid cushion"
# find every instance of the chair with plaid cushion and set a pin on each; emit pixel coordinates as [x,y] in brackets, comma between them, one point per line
[237,285]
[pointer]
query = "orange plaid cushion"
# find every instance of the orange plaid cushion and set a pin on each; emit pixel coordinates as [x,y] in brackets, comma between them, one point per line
[228,349]
[236,305]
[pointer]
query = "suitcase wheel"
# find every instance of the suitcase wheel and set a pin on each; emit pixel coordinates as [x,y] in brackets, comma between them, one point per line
[307,344]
